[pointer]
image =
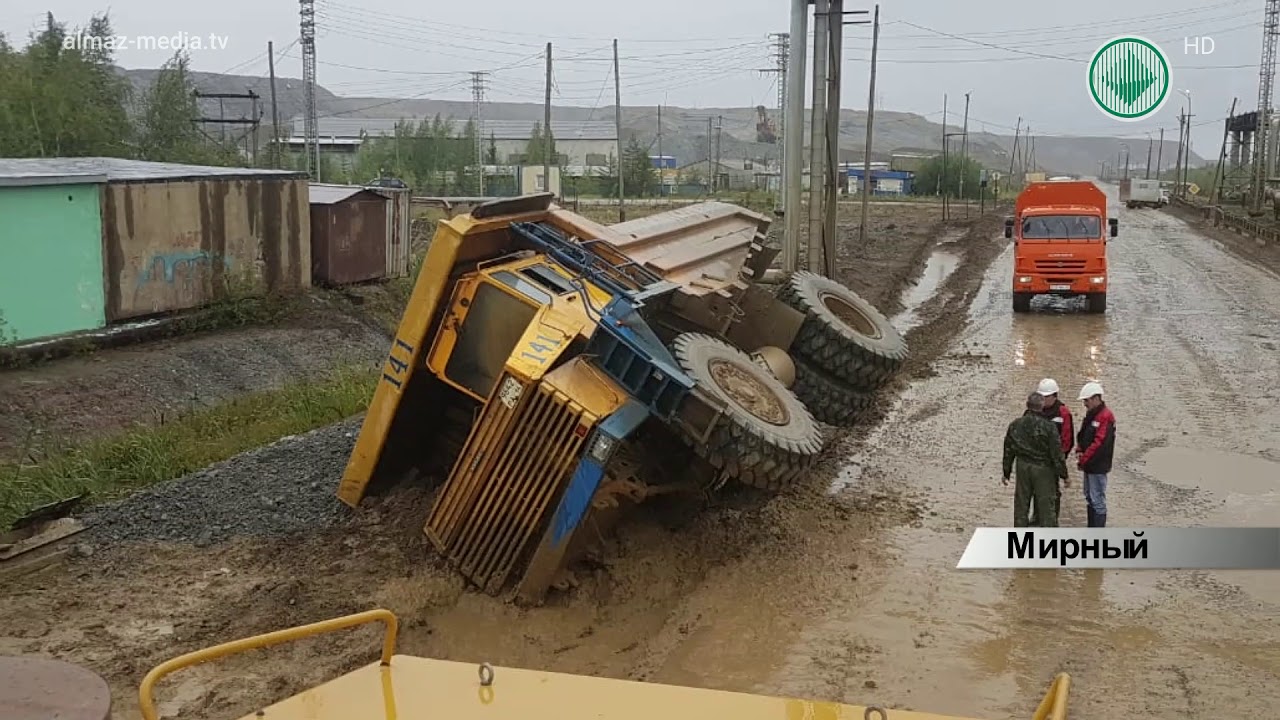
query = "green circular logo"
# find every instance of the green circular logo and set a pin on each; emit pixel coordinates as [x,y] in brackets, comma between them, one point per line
[1129,78]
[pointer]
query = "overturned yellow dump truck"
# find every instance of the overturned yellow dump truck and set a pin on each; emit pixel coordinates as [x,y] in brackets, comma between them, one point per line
[546,365]
[401,686]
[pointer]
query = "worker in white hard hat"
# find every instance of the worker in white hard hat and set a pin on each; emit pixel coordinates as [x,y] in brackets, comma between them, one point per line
[1095,446]
[1057,413]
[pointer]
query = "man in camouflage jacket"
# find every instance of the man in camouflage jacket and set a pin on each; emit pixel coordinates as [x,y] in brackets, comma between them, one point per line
[1034,442]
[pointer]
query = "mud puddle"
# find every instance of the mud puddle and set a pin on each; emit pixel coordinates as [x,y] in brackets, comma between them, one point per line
[940,265]
[936,270]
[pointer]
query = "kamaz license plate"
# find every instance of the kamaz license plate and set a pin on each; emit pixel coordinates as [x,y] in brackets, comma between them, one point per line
[1059,287]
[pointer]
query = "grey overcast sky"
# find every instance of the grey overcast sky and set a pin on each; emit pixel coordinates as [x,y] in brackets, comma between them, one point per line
[1015,57]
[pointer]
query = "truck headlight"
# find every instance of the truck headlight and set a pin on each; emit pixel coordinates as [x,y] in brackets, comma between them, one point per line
[1097,280]
[1024,279]
[602,448]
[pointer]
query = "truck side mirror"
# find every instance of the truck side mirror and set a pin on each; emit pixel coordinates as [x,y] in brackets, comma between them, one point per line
[1008,227]
[1115,226]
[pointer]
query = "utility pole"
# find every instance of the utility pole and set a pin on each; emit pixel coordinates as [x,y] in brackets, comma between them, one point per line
[720,126]
[1160,156]
[942,179]
[307,11]
[964,154]
[835,64]
[547,139]
[1177,167]
[817,132]
[711,170]
[871,110]
[1222,155]
[1147,175]
[1266,79]
[793,137]
[662,171]
[1014,152]
[1126,161]
[275,114]
[781,46]
[617,122]
[477,101]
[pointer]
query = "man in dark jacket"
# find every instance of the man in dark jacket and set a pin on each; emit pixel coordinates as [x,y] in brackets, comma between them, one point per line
[1095,446]
[1057,413]
[1034,443]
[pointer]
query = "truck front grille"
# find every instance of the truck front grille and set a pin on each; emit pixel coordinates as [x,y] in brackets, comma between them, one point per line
[516,463]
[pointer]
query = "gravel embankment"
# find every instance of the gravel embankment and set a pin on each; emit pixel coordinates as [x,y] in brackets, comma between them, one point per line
[279,489]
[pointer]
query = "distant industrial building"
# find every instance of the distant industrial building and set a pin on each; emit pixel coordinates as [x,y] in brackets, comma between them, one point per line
[883,181]
[583,147]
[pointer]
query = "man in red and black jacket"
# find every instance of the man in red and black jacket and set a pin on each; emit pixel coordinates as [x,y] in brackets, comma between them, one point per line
[1060,416]
[1095,447]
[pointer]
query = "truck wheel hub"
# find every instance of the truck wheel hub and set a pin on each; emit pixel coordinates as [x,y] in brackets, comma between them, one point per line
[851,316]
[744,388]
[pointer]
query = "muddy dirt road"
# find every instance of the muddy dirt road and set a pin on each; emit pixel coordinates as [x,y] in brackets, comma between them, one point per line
[1187,353]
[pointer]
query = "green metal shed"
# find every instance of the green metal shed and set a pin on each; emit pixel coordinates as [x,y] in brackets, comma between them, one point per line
[51,275]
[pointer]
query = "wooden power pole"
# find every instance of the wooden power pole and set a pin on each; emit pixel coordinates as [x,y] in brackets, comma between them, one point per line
[547,139]
[866,153]
[275,113]
[617,122]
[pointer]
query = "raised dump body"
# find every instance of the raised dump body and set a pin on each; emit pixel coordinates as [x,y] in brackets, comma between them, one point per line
[1060,232]
[403,686]
[545,365]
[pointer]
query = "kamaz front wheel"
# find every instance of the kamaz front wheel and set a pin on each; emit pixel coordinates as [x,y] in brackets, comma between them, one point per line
[767,437]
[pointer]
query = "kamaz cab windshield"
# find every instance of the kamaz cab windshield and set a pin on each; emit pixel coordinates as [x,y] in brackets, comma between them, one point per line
[1062,227]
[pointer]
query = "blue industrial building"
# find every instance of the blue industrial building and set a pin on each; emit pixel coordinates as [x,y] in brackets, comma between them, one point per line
[883,182]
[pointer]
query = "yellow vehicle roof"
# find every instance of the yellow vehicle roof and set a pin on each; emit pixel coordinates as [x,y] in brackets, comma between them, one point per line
[413,687]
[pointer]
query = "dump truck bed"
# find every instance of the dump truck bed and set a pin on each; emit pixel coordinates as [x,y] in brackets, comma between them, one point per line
[413,687]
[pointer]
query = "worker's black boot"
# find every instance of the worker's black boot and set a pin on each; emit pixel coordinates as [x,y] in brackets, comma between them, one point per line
[1092,516]
[1101,519]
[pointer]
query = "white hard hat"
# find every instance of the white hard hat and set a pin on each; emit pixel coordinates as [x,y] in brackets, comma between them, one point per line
[1047,387]
[1089,390]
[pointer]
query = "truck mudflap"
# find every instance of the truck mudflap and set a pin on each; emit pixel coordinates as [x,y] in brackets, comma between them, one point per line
[515,467]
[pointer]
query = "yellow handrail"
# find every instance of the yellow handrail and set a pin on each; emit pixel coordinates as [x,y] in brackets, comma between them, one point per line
[1054,704]
[146,703]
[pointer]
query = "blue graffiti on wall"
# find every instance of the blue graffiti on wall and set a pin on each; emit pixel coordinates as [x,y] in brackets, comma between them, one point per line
[170,264]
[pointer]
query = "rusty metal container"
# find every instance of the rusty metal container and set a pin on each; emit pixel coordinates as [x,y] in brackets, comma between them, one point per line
[183,236]
[349,234]
[399,229]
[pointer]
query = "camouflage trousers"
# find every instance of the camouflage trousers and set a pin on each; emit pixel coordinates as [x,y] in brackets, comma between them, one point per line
[1036,491]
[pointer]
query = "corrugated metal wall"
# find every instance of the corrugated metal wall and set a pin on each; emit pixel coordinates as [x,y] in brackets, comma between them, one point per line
[399,230]
[173,245]
[50,261]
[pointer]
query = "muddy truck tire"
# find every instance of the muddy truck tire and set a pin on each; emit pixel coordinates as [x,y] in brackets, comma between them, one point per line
[767,437]
[842,333]
[830,400]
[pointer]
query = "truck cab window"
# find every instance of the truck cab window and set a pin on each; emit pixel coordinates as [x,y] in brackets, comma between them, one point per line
[1062,227]
[549,279]
[494,324]
[523,286]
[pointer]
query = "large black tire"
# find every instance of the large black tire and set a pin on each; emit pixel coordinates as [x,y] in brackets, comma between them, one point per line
[765,452]
[1022,302]
[830,400]
[1096,303]
[842,333]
